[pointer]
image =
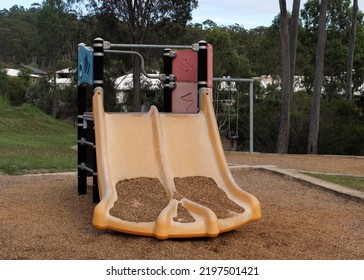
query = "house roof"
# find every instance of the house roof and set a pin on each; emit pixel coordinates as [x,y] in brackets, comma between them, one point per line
[66,70]
[34,70]
[16,72]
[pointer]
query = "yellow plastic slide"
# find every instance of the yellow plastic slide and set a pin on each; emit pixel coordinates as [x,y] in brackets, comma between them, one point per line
[165,175]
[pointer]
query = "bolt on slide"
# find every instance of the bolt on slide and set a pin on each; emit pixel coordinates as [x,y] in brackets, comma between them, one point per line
[165,174]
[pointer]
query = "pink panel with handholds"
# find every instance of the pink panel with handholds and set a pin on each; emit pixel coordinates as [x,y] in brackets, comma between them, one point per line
[185,95]
[184,66]
[185,98]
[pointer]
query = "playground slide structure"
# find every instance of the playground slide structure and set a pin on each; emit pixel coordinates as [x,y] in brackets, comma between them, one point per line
[165,147]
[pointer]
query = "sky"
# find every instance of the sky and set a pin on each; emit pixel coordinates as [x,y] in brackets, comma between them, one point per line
[247,13]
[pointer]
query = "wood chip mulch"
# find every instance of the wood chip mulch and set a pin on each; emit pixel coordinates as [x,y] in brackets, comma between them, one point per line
[142,199]
[42,217]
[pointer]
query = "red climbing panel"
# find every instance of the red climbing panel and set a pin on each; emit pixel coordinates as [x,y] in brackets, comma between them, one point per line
[184,96]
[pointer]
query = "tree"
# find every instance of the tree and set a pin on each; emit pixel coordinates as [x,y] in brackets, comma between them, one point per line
[140,16]
[318,81]
[225,54]
[288,58]
[59,22]
[350,62]
[18,34]
[263,50]
[339,24]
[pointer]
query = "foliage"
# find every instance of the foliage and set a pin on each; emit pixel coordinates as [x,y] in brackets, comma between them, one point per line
[39,95]
[226,54]
[266,123]
[264,50]
[341,125]
[13,89]
[341,128]
[17,31]
[338,24]
[238,52]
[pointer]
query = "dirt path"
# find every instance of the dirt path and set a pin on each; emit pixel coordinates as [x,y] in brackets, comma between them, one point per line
[42,217]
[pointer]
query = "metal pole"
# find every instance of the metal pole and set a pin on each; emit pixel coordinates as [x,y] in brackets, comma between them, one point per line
[251,113]
[229,79]
[167,91]
[201,68]
[109,45]
[98,82]
[81,149]
[98,62]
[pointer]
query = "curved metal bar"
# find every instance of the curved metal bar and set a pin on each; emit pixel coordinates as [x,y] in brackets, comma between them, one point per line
[161,77]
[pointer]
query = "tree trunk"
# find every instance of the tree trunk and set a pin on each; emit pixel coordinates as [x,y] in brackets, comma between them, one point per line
[349,67]
[293,33]
[283,133]
[136,85]
[318,81]
[55,96]
[288,59]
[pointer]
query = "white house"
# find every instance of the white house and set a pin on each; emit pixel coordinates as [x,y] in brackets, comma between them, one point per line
[16,72]
[266,80]
[12,72]
[124,84]
[64,77]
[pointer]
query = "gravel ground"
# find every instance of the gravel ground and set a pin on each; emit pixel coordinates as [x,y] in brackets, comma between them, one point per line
[42,217]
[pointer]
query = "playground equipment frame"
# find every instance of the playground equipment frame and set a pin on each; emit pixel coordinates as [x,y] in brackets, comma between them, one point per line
[90,72]
[251,105]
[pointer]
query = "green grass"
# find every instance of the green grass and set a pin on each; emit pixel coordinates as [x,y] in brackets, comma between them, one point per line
[353,182]
[31,141]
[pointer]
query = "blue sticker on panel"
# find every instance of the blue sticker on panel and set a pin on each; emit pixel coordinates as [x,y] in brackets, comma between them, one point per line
[85,65]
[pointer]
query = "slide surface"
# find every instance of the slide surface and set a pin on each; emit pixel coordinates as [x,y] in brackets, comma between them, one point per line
[165,175]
